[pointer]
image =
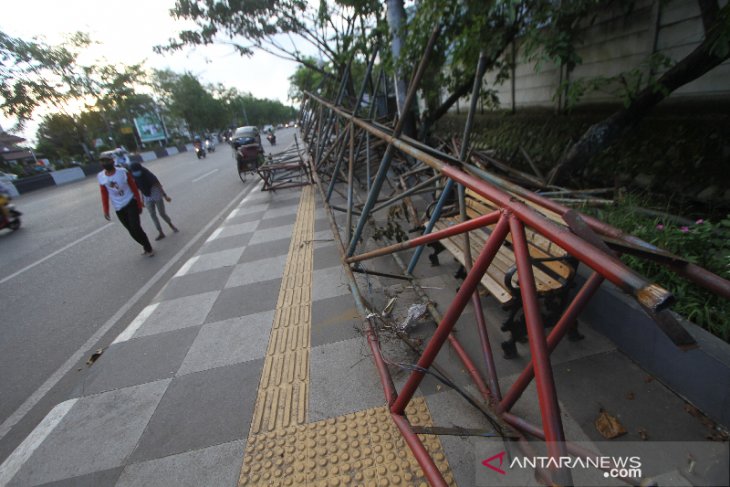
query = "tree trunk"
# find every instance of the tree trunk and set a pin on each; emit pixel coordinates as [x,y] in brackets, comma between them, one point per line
[602,134]
[396,22]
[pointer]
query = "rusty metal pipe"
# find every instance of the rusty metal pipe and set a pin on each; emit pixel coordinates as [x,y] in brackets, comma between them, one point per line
[484,220]
[650,295]
[423,458]
[494,242]
[547,396]
[558,332]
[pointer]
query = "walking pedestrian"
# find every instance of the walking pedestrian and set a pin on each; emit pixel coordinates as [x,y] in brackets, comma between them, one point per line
[118,185]
[154,196]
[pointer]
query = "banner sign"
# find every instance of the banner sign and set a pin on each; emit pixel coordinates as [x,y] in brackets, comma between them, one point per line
[149,128]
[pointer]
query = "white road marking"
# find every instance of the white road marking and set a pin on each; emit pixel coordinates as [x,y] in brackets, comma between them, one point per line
[39,393]
[233,213]
[205,175]
[186,267]
[53,254]
[215,234]
[20,455]
[136,323]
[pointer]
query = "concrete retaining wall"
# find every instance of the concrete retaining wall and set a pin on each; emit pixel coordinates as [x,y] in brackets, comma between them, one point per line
[701,375]
[614,42]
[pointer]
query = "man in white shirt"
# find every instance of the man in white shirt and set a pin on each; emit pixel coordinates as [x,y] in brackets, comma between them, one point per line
[118,185]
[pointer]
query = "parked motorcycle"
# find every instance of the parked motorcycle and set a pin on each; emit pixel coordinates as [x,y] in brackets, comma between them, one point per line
[13,223]
[271,138]
[199,149]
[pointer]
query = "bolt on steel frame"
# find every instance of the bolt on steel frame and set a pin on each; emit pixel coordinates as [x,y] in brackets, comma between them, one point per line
[336,135]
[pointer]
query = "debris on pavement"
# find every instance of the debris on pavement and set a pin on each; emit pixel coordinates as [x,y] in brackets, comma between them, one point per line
[415,312]
[95,356]
[609,426]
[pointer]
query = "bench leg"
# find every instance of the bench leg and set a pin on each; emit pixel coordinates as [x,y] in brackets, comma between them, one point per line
[437,249]
[513,325]
[555,305]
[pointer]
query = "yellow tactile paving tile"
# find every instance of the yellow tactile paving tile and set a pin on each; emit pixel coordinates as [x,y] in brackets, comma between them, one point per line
[363,448]
[282,397]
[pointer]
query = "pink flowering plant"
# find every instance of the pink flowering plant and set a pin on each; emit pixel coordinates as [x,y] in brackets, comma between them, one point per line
[705,242]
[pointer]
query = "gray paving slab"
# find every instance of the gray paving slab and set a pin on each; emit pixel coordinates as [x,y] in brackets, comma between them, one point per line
[175,314]
[284,212]
[323,238]
[286,195]
[245,300]
[237,229]
[342,380]
[197,283]
[335,319]
[218,465]
[93,479]
[612,382]
[265,250]
[282,200]
[139,361]
[326,256]
[251,207]
[331,282]
[270,234]
[97,434]
[232,242]
[200,410]
[228,342]
[322,224]
[239,217]
[256,271]
[215,260]
[273,221]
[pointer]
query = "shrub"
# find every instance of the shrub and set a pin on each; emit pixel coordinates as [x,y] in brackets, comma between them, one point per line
[704,242]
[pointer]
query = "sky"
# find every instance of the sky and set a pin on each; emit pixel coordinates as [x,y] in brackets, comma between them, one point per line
[127,31]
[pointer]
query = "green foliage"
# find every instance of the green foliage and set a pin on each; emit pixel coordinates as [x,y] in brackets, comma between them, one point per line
[334,29]
[304,79]
[59,136]
[704,243]
[624,85]
[34,74]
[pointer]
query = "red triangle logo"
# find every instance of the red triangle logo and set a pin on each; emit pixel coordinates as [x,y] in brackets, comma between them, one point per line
[488,462]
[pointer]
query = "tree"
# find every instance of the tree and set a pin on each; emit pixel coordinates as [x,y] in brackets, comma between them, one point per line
[334,30]
[713,50]
[184,97]
[33,74]
[468,27]
[60,136]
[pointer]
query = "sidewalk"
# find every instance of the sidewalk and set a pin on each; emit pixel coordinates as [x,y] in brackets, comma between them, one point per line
[250,368]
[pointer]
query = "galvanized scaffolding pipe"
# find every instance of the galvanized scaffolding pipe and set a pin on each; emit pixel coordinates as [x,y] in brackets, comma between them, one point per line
[385,163]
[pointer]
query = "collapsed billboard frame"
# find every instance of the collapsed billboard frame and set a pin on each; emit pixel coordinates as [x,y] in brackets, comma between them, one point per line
[334,131]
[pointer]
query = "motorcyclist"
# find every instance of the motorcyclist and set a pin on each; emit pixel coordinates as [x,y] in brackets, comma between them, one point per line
[4,200]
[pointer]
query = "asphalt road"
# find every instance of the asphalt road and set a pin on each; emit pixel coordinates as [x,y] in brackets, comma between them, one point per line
[70,282]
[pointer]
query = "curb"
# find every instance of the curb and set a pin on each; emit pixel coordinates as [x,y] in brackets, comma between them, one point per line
[64,176]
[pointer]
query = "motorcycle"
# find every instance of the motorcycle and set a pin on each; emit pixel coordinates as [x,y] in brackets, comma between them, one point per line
[271,138]
[209,145]
[13,223]
[199,150]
